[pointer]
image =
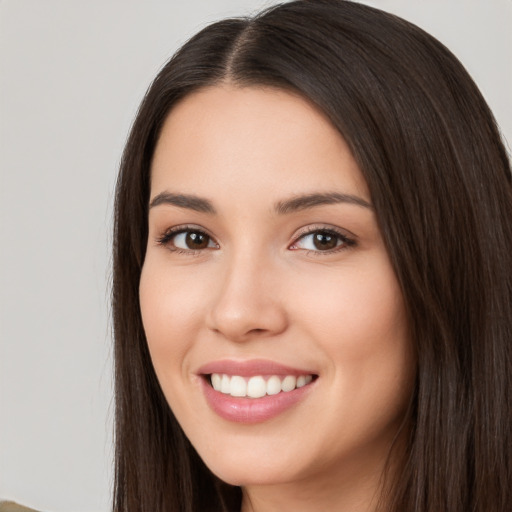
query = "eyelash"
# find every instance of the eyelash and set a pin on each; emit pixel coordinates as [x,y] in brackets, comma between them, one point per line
[171,233]
[346,242]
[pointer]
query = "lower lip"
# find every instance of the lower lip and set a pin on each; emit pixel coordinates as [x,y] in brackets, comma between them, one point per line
[252,410]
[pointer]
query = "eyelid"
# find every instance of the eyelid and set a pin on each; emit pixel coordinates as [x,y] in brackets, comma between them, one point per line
[348,238]
[165,238]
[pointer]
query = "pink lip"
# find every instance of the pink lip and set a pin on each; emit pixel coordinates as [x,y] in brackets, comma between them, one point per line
[251,368]
[251,410]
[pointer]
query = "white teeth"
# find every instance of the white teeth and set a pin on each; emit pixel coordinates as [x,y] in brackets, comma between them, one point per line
[238,386]
[216,381]
[225,386]
[273,385]
[257,386]
[303,380]
[289,383]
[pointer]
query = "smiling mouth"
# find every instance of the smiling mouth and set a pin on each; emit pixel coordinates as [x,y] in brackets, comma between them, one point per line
[257,386]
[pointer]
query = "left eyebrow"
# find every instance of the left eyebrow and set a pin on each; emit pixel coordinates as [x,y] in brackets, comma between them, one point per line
[188,201]
[307,201]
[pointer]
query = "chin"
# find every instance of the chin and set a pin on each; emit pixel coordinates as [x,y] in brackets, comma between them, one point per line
[243,475]
[256,465]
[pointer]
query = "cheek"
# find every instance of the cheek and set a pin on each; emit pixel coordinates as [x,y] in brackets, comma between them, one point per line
[356,307]
[357,317]
[171,308]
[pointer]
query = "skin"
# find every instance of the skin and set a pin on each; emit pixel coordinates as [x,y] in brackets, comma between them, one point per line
[261,289]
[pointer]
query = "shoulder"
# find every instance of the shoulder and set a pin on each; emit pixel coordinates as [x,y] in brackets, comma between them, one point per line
[10,506]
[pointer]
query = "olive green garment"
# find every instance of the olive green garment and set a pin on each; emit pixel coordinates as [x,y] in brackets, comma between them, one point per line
[10,506]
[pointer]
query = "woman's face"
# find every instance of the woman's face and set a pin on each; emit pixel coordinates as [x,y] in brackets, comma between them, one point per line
[266,274]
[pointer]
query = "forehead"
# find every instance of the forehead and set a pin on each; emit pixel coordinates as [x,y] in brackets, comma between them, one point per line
[238,140]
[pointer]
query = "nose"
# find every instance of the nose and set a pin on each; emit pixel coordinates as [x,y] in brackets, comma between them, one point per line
[247,304]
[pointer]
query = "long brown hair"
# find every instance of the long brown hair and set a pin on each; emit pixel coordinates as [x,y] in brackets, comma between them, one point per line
[441,185]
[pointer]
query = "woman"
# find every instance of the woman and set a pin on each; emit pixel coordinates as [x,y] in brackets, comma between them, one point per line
[313,275]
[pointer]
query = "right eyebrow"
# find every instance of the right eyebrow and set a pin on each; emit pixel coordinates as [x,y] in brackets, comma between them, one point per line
[188,201]
[307,201]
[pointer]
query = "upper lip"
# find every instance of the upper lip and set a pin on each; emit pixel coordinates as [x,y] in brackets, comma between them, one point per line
[250,368]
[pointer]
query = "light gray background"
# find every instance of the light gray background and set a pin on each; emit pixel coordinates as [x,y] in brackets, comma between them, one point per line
[71,76]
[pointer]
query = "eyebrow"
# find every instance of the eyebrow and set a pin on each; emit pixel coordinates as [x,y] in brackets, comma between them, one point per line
[298,203]
[188,201]
[304,202]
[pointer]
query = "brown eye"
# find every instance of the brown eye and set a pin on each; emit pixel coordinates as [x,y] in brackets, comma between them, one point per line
[187,240]
[324,241]
[196,240]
